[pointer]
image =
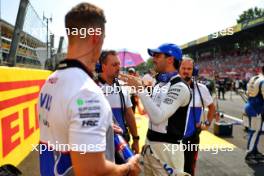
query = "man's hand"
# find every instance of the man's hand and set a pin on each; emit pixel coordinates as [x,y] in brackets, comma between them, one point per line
[131,81]
[202,126]
[134,165]
[135,146]
[117,129]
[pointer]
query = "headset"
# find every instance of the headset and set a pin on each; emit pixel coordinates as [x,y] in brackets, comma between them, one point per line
[195,72]
[165,77]
[98,66]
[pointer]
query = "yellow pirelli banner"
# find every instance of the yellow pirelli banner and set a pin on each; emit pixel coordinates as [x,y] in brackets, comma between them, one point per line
[19,128]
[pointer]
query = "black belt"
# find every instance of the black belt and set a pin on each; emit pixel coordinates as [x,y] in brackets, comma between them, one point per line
[163,137]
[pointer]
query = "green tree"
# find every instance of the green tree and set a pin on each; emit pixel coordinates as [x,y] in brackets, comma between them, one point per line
[250,14]
[141,68]
[145,66]
[150,63]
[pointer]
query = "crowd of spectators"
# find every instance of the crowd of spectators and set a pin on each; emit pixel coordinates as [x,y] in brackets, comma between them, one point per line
[233,64]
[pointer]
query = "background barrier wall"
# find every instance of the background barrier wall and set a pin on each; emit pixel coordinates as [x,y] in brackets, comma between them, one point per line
[19,129]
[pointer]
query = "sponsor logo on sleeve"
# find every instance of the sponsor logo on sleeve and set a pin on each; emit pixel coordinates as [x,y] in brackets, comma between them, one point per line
[89,123]
[168,101]
[85,109]
[173,95]
[89,115]
[174,90]
[53,80]
[79,102]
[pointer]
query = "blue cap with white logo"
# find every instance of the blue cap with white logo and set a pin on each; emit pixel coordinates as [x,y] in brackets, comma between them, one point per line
[169,49]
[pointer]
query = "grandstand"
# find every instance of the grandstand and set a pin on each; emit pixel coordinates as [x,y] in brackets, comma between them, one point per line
[26,54]
[239,54]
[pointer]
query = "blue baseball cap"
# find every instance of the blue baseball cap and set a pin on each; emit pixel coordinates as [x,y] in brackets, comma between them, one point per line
[169,49]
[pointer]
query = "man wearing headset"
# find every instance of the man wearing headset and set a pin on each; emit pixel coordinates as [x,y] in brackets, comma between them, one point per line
[167,111]
[201,98]
[254,109]
[118,97]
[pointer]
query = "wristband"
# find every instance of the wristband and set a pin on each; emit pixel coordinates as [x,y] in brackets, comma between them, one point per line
[207,123]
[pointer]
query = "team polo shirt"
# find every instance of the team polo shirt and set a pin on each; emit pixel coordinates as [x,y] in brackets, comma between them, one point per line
[74,115]
[112,94]
[195,110]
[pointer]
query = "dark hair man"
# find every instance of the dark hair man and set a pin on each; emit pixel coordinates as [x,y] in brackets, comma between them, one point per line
[167,110]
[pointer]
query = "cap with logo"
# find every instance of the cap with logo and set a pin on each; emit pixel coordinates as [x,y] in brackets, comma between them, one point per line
[168,49]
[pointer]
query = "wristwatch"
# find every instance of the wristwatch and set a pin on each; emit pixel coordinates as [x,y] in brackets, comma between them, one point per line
[135,137]
[207,123]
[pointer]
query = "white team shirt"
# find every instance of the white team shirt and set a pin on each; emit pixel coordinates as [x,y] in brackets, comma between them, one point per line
[206,96]
[73,103]
[111,93]
[198,110]
[72,110]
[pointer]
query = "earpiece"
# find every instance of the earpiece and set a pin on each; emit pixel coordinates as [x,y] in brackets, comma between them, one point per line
[195,70]
[98,66]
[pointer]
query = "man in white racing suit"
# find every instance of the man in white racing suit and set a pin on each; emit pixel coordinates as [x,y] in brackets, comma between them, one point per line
[167,110]
[74,116]
[254,109]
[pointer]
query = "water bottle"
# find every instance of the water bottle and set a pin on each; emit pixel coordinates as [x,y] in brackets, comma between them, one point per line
[122,148]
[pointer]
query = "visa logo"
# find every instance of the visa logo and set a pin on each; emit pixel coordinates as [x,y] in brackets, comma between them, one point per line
[45,101]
